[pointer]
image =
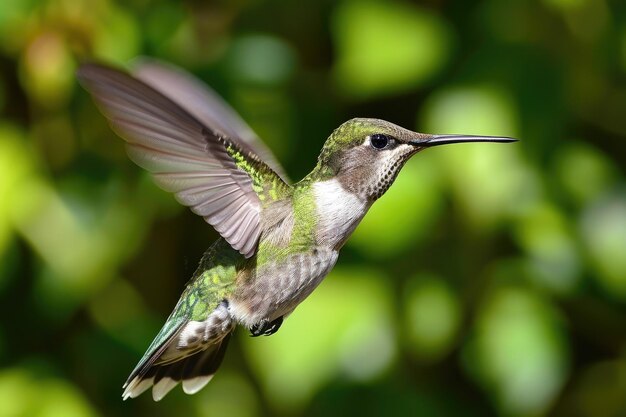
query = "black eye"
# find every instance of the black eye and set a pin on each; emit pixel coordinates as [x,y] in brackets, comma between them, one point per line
[379,141]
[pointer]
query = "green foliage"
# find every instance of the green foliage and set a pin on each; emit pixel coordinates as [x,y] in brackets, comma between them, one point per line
[384,48]
[489,280]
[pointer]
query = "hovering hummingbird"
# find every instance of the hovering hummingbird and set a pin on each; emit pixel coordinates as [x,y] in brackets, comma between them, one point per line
[278,240]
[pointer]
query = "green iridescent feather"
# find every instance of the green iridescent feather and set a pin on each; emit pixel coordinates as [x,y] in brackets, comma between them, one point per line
[265,182]
[213,281]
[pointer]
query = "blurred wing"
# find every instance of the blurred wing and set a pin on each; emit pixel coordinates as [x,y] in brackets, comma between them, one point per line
[204,170]
[205,105]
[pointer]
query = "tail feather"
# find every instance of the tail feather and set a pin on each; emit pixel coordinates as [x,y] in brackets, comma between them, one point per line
[193,385]
[137,387]
[197,374]
[161,388]
[195,371]
[166,378]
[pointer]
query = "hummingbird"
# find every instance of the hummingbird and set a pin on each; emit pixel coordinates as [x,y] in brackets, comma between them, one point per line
[278,239]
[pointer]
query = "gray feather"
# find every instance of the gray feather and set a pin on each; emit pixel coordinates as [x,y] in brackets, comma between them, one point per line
[185,156]
[203,103]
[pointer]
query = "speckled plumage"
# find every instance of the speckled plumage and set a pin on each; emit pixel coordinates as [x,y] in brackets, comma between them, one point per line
[278,240]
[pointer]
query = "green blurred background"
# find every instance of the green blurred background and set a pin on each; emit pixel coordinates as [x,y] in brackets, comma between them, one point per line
[490,280]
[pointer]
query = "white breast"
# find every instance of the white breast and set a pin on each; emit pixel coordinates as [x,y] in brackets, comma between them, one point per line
[339,212]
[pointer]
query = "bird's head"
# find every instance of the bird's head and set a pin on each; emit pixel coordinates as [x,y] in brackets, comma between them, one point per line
[366,155]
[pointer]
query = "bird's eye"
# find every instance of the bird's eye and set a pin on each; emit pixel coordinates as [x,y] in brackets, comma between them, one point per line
[379,141]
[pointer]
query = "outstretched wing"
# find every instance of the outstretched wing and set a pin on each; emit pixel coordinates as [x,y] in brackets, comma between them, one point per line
[204,104]
[206,171]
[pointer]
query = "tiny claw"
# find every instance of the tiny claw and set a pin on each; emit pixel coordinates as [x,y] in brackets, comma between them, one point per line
[266,328]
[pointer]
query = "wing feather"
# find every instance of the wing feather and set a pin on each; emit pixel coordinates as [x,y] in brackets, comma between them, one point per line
[187,157]
[203,103]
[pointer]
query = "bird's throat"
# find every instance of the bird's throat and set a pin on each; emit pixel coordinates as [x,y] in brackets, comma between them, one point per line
[338,212]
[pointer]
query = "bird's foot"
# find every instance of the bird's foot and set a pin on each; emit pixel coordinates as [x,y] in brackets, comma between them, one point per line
[266,327]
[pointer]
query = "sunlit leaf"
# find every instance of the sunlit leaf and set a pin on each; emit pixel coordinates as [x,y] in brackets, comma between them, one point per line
[603,227]
[16,166]
[572,159]
[260,59]
[489,180]
[117,36]
[14,16]
[385,47]
[23,394]
[47,69]
[518,352]
[78,242]
[230,394]
[546,237]
[473,109]
[432,316]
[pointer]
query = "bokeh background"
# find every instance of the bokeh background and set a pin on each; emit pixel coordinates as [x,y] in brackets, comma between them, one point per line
[489,281]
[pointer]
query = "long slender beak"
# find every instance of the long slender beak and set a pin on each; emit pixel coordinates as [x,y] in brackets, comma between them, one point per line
[436,140]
